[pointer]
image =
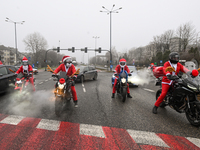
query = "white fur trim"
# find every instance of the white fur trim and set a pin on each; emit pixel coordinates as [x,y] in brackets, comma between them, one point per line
[66,58]
[25,60]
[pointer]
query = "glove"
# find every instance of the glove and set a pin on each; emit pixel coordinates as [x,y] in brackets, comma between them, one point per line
[53,75]
[170,77]
[74,78]
[15,74]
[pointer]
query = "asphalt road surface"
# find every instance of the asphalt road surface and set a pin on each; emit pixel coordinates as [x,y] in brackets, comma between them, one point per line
[132,121]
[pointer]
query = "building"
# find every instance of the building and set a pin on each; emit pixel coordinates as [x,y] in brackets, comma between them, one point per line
[8,55]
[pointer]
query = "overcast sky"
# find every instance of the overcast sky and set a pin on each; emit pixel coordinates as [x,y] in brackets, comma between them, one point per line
[75,22]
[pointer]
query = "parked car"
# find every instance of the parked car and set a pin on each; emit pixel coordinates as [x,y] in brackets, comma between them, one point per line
[35,71]
[86,73]
[7,77]
[132,80]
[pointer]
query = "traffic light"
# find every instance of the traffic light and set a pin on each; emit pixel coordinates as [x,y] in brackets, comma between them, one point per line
[44,60]
[58,49]
[73,49]
[99,49]
[85,49]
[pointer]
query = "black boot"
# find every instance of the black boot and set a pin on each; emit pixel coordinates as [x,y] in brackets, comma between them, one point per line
[155,109]
[128,95]
[113,95]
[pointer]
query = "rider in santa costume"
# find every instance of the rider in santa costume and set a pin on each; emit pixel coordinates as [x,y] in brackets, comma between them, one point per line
[70,69]
[26,68]
[1,63]
[122,65]
[168,77]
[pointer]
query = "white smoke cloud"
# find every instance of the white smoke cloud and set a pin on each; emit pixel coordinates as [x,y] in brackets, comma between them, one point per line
[144,77]
[31,104]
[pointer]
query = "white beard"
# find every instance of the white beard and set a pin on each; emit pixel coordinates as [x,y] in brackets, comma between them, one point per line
[25,68]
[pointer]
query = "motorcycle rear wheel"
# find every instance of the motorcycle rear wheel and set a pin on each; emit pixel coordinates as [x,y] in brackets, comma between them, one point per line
[58,106]
[192,117]
[162,105]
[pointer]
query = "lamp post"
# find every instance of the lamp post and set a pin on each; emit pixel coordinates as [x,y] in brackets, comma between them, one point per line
[95,37]
[21,22]
[110,12]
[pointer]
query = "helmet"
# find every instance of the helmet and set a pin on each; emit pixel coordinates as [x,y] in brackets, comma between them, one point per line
[174,57]
[67,60]
[122,62]
[25,61]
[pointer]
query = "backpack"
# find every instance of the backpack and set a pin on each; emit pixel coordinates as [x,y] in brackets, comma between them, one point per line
[158,71]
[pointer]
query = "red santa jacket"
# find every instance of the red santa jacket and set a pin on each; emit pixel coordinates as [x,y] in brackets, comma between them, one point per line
[178,67]
[118,69]
[22,68]
[63,68]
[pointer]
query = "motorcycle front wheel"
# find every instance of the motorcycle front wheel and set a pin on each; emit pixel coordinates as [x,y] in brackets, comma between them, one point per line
[194,116]
[124,92]
[58,106]
[162,105]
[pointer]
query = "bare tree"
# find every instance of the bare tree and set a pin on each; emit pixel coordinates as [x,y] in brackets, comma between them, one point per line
[35,43]
[186,34]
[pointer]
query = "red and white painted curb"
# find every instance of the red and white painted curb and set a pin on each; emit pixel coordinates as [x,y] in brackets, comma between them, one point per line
[39,133]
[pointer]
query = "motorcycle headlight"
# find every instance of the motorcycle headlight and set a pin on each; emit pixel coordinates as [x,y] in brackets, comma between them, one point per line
[123,80]
[192,87]
[61,86]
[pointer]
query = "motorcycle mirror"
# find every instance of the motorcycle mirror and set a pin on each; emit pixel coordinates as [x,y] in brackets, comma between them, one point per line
[1,75]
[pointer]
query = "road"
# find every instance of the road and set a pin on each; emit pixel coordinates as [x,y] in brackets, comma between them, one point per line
[98,117]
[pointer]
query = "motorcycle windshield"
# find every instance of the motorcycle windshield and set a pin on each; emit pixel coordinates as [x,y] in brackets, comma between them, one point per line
[195,81]
[123,74]
[63,75]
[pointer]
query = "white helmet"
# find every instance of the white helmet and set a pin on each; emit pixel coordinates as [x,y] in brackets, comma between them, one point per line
[122,62]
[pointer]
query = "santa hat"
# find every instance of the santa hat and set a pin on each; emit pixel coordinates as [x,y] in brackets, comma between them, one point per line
[1,63]
[65,58]
[24,59]
[122,60]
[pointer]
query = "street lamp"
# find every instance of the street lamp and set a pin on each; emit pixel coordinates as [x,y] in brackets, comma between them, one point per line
[95,37]
[110,12]
[21,22]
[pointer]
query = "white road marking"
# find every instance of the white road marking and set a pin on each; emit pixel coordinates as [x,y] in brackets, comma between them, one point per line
[46,80]
[148,90]
[84,90]
[49,78]
[49,124]
[12,119]
[149,138]
[40,82]
[194,141]
[92,130]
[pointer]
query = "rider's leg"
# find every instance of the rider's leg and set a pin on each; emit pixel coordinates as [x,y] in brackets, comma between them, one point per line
[128,91]
[74,96]
[114,88]
[31,81]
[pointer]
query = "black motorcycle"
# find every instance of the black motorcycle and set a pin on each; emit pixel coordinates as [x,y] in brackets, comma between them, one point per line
[183,96]
[122,84]
[62,91]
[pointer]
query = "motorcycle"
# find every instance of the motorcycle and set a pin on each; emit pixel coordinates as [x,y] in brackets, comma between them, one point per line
[122,84]
[183,96]
[62,91]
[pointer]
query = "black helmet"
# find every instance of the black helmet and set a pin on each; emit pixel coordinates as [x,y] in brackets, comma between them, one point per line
[174,57]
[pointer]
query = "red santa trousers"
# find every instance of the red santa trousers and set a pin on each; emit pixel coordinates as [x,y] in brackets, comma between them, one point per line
[165,88]
[74,93]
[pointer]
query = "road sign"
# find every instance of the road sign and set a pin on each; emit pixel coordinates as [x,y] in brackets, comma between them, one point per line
[160,61]
[29,58]
[111,66]
[33,65]
[37,62]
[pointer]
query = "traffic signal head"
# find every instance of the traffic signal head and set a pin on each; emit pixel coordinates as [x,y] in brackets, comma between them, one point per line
[73,49]
[85,49]
[99,49]
[58,49]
